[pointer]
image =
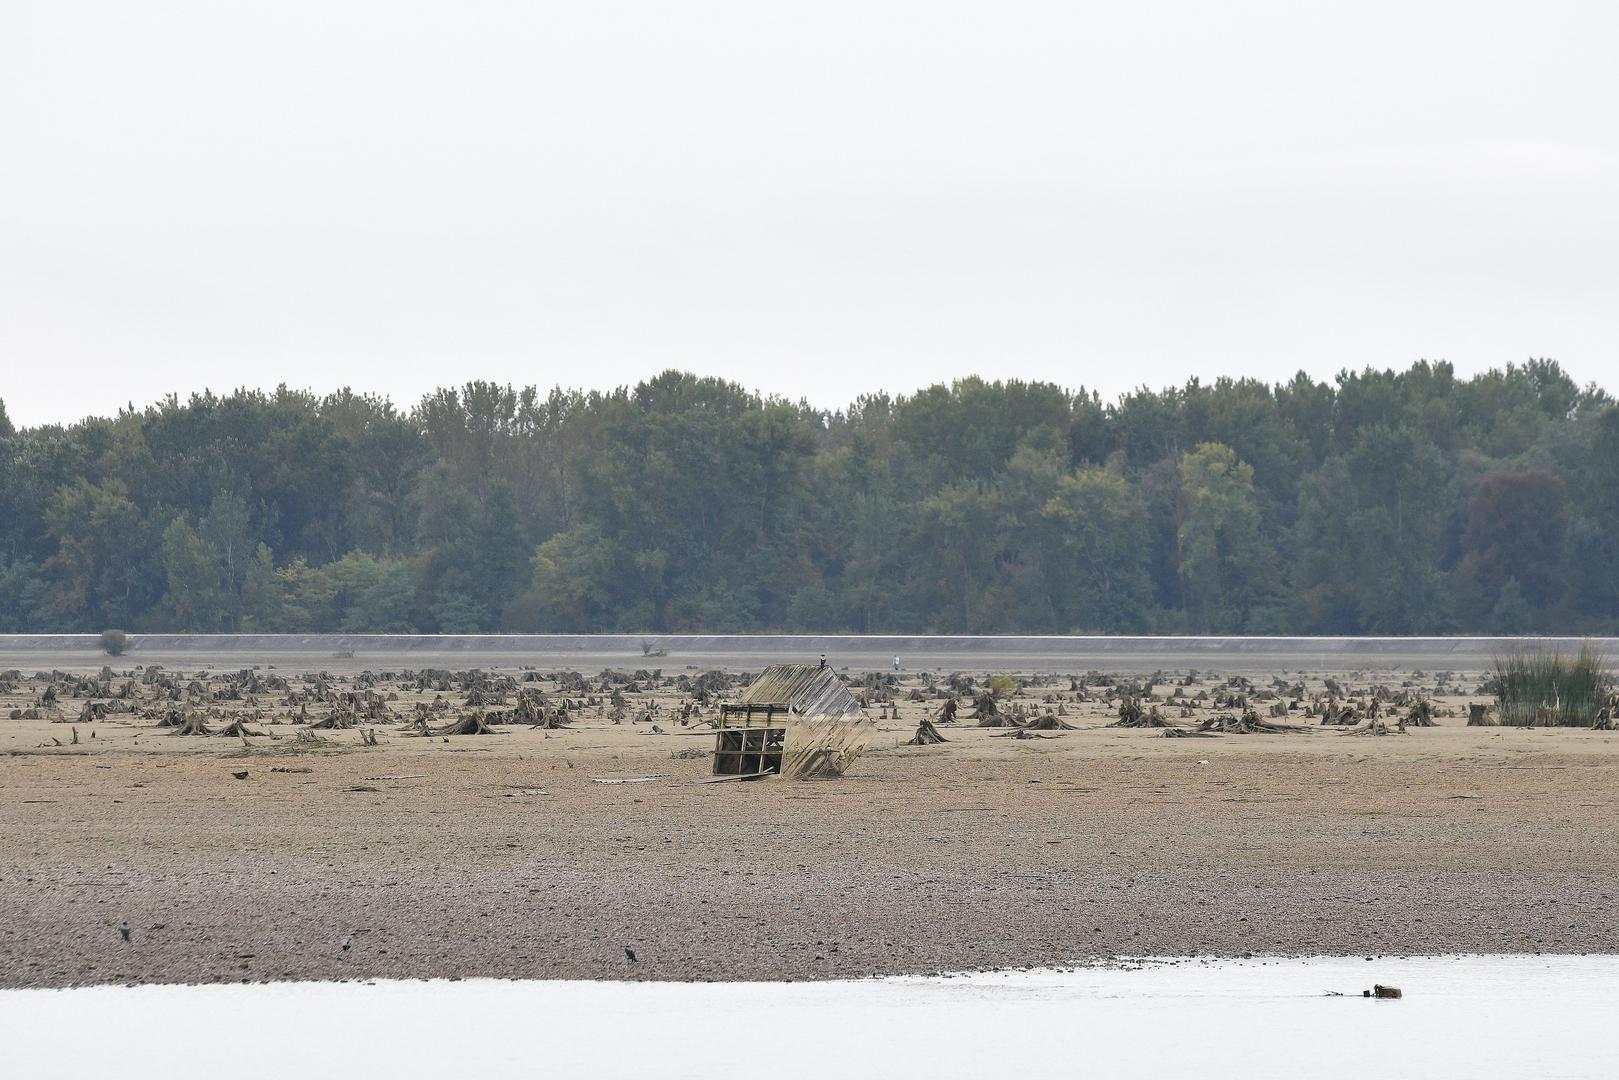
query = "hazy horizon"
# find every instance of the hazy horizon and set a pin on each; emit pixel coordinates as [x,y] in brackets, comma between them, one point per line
[811,200]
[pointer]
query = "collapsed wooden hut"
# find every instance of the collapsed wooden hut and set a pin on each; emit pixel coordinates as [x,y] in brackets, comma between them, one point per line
[797,720]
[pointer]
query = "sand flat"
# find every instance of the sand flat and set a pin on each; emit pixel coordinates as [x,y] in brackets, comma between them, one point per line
[499,856]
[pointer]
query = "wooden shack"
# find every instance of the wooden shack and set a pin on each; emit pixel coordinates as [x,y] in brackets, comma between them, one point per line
[795,720]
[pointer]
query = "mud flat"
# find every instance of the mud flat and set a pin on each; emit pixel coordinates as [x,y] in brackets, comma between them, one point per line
[507,856]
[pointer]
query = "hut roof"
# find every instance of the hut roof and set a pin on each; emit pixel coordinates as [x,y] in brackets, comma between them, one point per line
[807,689]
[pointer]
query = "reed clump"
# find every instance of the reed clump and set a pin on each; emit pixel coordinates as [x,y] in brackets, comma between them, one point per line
[1545,688]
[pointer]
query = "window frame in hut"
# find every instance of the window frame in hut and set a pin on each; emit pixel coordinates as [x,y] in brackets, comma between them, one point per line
[749,748]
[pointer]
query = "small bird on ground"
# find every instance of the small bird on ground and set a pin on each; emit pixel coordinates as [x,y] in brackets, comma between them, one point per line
[123,929]
[629,952]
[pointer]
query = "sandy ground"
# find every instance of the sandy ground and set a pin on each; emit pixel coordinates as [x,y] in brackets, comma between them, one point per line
[501,856]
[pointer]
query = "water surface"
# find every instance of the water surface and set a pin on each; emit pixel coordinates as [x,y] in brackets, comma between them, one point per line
[1473,1017]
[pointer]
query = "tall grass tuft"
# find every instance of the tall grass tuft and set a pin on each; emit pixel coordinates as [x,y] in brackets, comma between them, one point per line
[1539,688]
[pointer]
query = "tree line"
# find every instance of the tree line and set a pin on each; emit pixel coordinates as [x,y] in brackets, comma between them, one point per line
[1381,502]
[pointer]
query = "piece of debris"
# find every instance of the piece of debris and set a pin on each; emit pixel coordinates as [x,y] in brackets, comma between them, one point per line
[1380,991]
[1249,723]
[240,775]
[1048,722]
[1376,727]
[193,724]
[1421,715]
[624,779]
[796,719]
[1132,715]
[473,723]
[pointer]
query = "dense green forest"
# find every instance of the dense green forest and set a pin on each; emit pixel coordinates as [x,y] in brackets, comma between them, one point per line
[1385,502]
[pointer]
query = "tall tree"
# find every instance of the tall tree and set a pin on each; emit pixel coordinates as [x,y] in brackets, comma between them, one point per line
[1102,525]
[1225,562]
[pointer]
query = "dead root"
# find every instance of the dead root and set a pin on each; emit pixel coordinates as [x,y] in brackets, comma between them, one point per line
[1132,715]
[1048,722]
[926,734]
[1421,715]
[1376,727]
[193,724]
[1249,723]
[473,723]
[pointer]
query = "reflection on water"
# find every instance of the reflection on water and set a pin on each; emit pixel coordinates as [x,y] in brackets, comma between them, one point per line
[1474,1017]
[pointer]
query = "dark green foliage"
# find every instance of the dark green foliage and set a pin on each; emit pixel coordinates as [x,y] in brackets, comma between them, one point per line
[114,642]
[1381,502]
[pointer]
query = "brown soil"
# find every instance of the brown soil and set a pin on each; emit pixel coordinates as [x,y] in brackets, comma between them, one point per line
[473,856]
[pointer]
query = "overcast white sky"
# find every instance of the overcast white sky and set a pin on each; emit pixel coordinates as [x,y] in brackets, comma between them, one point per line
[816,199]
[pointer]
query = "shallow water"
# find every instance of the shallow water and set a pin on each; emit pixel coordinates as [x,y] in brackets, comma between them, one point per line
[1473,1017]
